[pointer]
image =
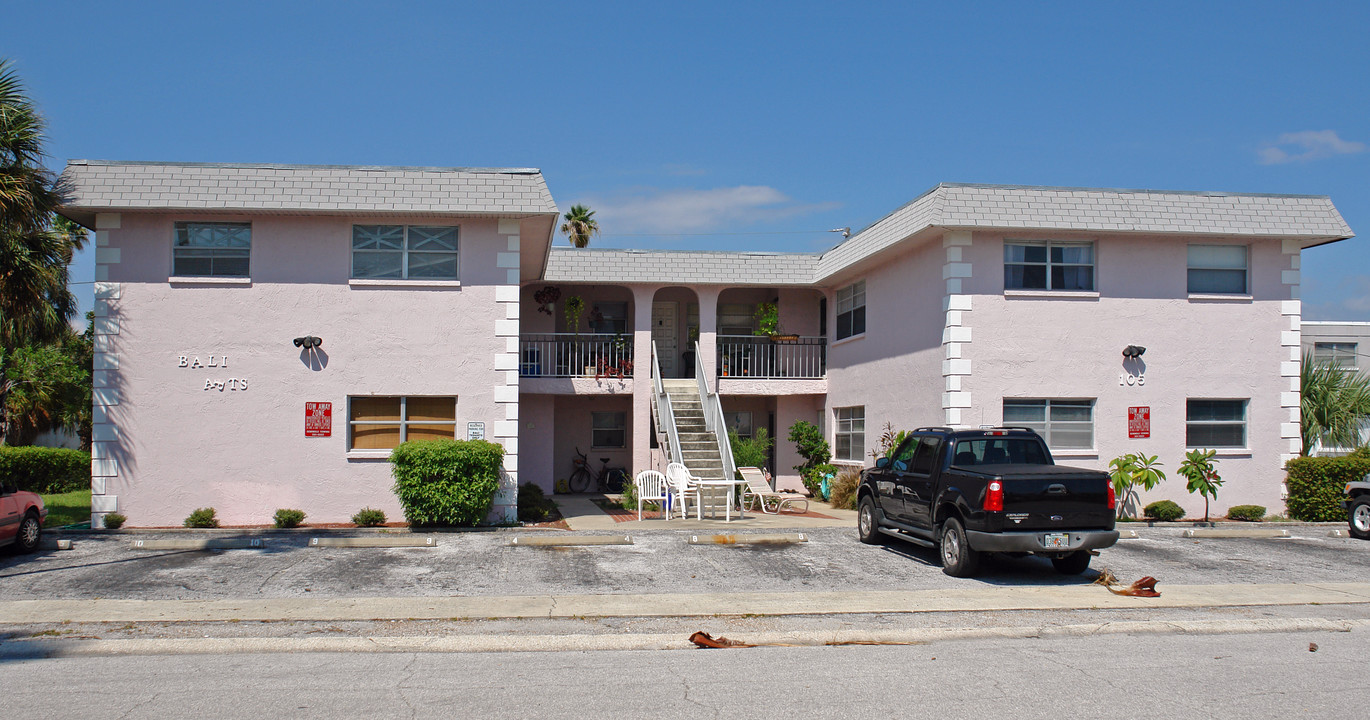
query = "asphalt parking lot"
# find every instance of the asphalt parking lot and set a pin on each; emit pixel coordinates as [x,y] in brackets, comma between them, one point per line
[484,563]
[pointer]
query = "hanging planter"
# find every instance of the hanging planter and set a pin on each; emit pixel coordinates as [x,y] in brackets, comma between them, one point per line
[545,297]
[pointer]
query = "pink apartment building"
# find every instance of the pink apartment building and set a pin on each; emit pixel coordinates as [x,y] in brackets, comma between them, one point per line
[441,306]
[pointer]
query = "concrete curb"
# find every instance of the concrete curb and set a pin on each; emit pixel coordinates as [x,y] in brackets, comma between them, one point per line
[47,543]
[379,541]
[200,544]
[749,539]
[1232,533]
[978,599]
[54,648]
[571,540]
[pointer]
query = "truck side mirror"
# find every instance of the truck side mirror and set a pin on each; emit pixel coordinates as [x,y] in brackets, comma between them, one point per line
[882,463]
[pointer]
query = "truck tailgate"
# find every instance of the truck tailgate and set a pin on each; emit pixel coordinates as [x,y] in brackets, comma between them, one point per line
[1045,497]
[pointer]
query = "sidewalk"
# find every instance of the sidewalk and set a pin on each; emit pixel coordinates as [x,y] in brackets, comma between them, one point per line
[1071,597]
[583,515]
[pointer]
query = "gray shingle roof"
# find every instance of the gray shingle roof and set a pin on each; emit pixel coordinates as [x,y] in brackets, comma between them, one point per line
[1311,219]
[100,185]
[566,264]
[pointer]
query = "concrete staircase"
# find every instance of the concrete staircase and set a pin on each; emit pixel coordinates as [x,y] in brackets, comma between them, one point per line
[698,446]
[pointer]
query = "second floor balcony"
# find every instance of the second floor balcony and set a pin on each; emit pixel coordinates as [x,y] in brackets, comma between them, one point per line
[575,355]
[769,358]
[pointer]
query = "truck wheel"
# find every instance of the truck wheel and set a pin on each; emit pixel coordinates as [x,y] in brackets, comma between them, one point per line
[958,560]
[30,530]
[1359,518]
[867,527]
[1072,564]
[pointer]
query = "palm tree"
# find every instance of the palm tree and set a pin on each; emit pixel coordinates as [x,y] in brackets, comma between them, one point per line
[1334,403]
[580,225]
[35,250]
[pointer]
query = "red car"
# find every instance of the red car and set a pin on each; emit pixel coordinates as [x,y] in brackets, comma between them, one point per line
[21,517]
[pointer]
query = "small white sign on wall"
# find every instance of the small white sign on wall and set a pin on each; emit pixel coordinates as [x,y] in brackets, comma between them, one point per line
[475,431]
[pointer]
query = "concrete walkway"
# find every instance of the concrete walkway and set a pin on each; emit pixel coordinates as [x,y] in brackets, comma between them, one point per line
[583,515]
[1072,597]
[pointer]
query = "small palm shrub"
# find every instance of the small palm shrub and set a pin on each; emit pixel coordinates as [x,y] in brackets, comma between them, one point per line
[369,517]
[534,505]
[114,521]
[1249,513]
[202,518]
[288,518]
[842,489]
[1163,510]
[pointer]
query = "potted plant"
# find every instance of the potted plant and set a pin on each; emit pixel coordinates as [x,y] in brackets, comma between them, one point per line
[768,323]
[545,297]
[575,310]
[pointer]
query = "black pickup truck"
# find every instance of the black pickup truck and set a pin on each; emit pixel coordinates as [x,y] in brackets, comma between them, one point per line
[968,492]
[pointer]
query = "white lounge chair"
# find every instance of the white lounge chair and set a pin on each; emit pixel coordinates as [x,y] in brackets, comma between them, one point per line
[682,487]
[651,486]
[759,491]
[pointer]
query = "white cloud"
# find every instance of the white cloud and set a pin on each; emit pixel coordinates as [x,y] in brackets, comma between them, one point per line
[1307,145]
[653,210]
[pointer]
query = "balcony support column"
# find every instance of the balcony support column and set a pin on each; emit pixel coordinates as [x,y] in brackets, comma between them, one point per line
[708,331]
[642,377]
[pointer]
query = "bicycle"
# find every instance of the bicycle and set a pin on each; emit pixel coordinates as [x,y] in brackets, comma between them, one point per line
[581,479]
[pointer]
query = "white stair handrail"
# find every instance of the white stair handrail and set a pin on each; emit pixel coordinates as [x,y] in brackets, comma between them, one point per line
[713,416]
[665,414]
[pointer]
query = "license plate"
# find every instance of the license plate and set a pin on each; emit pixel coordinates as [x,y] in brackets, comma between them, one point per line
[1056,540]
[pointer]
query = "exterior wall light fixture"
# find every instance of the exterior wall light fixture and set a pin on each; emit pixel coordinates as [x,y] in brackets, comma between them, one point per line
[1133,351]
[309,342]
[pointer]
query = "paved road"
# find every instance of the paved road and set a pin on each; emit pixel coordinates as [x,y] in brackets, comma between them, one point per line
[482,564]
[1166,676]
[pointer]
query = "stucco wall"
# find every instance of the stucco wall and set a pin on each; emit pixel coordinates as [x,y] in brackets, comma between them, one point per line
[1056,347]
[572,418]
[179,446]
[895,369]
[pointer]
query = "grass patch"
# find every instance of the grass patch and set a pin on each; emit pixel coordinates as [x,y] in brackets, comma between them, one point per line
[67,508]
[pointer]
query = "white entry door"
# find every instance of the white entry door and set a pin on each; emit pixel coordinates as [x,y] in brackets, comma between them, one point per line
[664,335]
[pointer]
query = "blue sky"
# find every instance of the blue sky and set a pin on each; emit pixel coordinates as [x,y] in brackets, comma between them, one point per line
[735,125]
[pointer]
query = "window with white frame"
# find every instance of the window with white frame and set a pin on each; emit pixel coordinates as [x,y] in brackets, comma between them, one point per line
[1063,424]
[851,310]
[850,441]
[1049,265]
[1218,269]
[1341,354]
[608,429]
[382,423]
[211,249]
[739,422]
[404,252]
[1215,423]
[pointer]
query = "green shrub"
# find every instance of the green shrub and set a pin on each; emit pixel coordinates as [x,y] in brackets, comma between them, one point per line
[535,506]
[627,499]
[1250,513]
[752,451]
[369,517]
[202,518]
[1163,510]
[446,482]
[842,489]
[46,471]
[1318,484]
[287,518]
[813,478]
[114,521]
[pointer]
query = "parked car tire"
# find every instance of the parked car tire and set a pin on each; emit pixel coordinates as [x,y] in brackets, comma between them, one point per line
[867,527]
[1359,518]
[958,560]
[1072,564]
[30,532]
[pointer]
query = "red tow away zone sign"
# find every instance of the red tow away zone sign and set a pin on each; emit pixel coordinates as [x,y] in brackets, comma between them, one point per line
[1139,422]
[318,419]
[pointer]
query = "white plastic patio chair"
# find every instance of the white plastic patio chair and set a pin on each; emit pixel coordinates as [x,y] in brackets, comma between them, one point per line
[682,486]
[759,491]
[651,487]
